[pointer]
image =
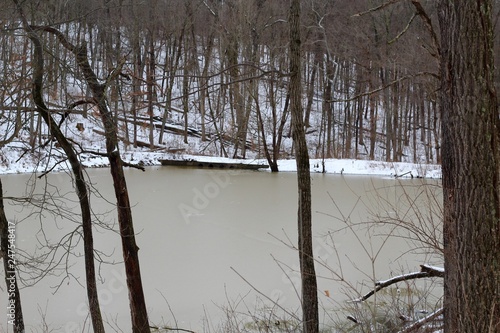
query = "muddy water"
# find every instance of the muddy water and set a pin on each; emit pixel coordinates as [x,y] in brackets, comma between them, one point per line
[208,240]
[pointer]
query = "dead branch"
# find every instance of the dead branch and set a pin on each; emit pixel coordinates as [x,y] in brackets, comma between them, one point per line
[263,295]
[426,271]
[52,168]
[404,30]
[406,77]
[419,323]
[374,9]
[428,24]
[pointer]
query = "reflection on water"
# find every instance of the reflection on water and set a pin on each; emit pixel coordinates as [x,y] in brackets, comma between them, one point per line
[200,232]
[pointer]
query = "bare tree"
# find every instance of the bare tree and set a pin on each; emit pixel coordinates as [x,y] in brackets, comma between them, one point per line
[77,169]
[309,297]
[130,249]
[470,162]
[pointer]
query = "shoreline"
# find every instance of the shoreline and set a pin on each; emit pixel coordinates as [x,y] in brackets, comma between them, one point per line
[327,166]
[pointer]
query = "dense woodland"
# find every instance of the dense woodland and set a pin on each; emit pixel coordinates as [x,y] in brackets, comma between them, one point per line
[217,71]
[362,79]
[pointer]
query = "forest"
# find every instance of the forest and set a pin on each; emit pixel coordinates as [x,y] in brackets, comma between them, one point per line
[215,74]
[381,80]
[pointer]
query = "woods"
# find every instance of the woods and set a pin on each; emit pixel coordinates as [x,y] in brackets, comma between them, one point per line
[396,81]
[222,70]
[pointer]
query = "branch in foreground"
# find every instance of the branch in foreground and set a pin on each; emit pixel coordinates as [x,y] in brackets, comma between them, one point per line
[419,323]
[425,272]
[264,295]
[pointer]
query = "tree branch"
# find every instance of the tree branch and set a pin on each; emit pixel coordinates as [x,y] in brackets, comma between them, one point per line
[136,166]
[428,24]
[419,323]
[425,272]
[406,77]
[374,9]
[404,30]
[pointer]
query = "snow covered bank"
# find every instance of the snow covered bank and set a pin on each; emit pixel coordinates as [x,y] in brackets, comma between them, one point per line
[12,164]
[363,167]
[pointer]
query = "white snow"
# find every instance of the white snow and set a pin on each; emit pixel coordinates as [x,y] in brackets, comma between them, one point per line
[12,164]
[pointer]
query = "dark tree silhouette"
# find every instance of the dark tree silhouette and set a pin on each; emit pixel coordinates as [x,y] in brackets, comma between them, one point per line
[307,272]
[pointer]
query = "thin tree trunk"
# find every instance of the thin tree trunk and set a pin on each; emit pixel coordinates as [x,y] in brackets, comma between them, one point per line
[77,169]
[151,77]
[140,323]
[136,83]
[328,104]
[307,271]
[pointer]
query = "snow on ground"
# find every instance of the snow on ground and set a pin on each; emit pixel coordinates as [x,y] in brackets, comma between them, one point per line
[14,164]
[19,157]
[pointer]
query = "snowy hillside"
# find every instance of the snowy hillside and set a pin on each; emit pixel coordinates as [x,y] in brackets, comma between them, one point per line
[16,157]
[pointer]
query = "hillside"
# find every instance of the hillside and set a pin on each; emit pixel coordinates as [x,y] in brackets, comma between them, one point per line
[214,82]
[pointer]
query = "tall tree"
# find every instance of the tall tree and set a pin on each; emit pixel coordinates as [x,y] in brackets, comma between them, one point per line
[138,311]
[307,272]
[76,168]
[470,162]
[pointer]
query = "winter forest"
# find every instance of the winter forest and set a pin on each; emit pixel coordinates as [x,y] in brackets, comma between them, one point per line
[126,84]
[215,74]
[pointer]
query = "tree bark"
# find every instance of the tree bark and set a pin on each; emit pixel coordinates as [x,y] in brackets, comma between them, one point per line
[307,272]
[140,323]
[470,164]
[77,169]
[8,250]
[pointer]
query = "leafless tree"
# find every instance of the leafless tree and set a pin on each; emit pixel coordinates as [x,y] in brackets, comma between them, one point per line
[80,183]
[309,297]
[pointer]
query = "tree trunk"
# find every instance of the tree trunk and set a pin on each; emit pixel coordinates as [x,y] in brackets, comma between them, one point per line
[151,83]
[307,272]
[8,250]
[140,323]
[470,162]
[80,184]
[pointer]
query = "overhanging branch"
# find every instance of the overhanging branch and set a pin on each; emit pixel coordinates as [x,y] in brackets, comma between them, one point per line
[426,271]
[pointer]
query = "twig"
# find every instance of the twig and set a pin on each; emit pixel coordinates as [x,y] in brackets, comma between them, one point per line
[262,294]
[52,168]
[172,329]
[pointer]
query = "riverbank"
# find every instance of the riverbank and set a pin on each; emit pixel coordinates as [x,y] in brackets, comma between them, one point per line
[13,163]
